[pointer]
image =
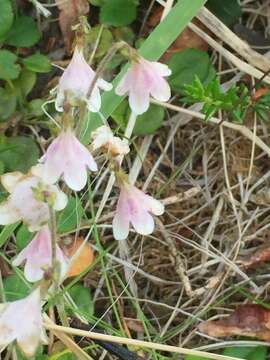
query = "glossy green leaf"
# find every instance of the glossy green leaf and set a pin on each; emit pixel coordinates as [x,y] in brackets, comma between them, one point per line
[187,64]
[38,63]
[82,298]
[227,11]
[8,67]
[24,32]
[6,17]
[23,237]
[105,40]
[18,153]
[7,104]
[25,83]
[15,288]
[247,353]
[152,49]
[70,216]
[118,12]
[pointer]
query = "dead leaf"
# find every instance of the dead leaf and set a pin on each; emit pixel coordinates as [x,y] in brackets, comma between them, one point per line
[186,40]
[134,324]
[70,11]
[262,255]
[250,320]
[84,259]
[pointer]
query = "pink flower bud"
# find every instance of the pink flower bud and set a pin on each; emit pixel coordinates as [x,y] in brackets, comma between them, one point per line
[38,256]
[21,320]
[144,78]
[135,207]
[68,157]
[23,202]
[75,83]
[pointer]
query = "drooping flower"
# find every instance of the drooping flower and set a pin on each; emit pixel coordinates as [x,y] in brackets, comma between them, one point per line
[68,157]
[104,138]
[26,199]
[21,320]
[137,208]
[75,83]
[144,78]
[38,256]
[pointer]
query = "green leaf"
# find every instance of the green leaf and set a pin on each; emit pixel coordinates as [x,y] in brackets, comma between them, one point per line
[82,298]
[71,215]
[227,11]
[105,40]
[150,121]
[247,353]
[187,64]
[25,83]
[7,231]
[18,153]
[23,237]
[24,32]
[8,68]
[38,63]
[7,104]
[6,18]
[152,49]
[15,288]
[118,12]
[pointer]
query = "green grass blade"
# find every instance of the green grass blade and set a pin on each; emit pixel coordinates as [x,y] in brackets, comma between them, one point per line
[152,49]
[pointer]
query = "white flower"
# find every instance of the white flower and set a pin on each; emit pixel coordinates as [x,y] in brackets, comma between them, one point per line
[104,138]
[23,203]
[21,320]
[68,157]
[38,256]
[144,78]
[75,83]
[135,207]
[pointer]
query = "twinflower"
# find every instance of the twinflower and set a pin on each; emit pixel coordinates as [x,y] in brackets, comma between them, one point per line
[75,83]
[21,320]
[142,79]
[67,157]
[137,208]
[38,256]
[29,199]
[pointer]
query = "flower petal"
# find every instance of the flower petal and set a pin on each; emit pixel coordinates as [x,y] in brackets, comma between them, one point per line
[160,90]
[7,214]
[10,180]
[154,206]
[104,85]
[142,222]
[94,102]
[161,69]
[139,100]
[120,227]
[61,200]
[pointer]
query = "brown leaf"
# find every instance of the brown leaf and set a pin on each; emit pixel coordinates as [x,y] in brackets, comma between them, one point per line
[70,11]
[247,320]
[134,324]
[186,40]
[260,256]
[83,261]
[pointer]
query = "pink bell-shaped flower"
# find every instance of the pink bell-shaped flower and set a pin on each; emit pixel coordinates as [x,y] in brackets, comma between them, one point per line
[21,320]
[38,256]
[144,78]
[23,202]
[68,157]
[137,208]
[75,83]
